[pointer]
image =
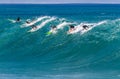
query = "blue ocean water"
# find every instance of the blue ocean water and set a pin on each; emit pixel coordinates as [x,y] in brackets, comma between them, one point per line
[94,54]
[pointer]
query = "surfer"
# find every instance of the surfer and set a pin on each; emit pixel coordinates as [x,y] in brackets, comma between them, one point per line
[85,27]
[34,27]
[28,22]
[18,19]
[53,27]
[53,30]
[71,28]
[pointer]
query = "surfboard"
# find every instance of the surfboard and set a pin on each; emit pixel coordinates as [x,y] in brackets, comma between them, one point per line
[51,32]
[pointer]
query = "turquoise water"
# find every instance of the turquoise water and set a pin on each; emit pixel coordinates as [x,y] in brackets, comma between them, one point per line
[94,54]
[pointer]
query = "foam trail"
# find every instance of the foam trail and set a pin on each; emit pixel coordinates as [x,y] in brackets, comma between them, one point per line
[80,29]
[11,20]
[90,28]
[62,25]
[102,22]
[35,21]
[42,24]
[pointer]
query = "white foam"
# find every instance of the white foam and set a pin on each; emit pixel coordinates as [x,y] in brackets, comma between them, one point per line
[11,20]
[60,26]
[77,29]
[42,24]
[80,29]
[102,22]
[35,21]
[94,25]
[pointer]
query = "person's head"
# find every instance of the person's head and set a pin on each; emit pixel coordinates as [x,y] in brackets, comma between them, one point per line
[71,26]
[18,19]
[27,22]
[84,26]
[34,25]
[53,26]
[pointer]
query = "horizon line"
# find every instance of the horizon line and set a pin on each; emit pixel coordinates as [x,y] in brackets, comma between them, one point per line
[60,3]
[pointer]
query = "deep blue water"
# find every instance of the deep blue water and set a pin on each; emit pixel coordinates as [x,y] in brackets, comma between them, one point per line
[92,55]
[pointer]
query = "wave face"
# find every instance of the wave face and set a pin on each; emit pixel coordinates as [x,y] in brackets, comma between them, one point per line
[94,54]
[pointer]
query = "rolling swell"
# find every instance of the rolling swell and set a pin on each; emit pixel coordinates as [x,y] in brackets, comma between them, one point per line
[96,50]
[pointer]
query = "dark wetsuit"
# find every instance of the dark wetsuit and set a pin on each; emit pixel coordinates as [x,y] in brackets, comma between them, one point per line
[53,27]
[85,26]
[33,26]
[27,22]
[72,27]
[18,19]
